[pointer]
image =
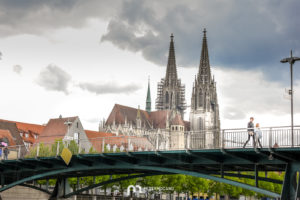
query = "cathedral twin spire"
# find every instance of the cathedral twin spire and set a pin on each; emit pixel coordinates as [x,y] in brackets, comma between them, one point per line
[171,73]
[204,74]
[170,91]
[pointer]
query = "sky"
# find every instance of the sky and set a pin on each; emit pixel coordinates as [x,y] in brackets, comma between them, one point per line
[79,58]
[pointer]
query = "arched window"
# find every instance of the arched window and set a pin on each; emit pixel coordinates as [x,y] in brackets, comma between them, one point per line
[201,98]
[204,101]
[167,97]
[195,103]
[171,99]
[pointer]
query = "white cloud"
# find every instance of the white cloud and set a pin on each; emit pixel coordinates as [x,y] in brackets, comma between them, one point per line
[17,69]
[109,88]
[245,93]
[53,78]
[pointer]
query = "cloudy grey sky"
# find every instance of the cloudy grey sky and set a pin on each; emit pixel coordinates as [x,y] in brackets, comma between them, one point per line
[76,57]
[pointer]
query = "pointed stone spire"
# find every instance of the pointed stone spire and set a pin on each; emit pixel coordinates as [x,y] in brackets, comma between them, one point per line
[204,67]
[148,99]
[171,73]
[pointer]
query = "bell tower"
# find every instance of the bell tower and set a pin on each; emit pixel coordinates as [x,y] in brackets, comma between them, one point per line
[204,113]
[170,91]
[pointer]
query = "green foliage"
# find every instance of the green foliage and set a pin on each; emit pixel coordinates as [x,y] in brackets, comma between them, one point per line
[73,147]
[92,151]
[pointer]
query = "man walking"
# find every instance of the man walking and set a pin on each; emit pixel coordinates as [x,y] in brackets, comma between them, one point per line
[250,132]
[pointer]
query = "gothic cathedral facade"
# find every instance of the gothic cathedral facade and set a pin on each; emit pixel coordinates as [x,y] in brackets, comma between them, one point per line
[167,122]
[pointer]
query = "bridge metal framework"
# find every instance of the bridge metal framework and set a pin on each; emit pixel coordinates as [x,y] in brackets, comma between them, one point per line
[218,163]
[213,164]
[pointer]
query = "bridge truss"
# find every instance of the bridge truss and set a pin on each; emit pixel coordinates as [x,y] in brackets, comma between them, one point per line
[213,164]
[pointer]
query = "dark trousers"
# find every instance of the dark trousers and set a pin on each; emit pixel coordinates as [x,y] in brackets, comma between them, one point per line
[258,141]
[253,138]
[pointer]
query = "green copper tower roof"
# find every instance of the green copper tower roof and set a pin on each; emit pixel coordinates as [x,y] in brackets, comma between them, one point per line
[148,99]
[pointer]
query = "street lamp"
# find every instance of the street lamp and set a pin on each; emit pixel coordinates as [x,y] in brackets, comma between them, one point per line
[291,60]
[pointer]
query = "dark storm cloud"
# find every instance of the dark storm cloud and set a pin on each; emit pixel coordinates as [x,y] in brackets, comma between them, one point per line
[109,88]
[53,78]
[241,34]
[36,17]
[17,69]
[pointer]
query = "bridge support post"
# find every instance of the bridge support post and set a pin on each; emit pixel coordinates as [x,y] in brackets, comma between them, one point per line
[2,180]
[62,188]
[256,175]
[291,188]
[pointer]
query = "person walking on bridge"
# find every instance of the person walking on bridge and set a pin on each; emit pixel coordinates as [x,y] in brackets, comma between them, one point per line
[250,130]
[258,134]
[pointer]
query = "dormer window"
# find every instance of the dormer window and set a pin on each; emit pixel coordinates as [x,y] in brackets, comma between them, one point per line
[26,135]
[35,136]
[21,134]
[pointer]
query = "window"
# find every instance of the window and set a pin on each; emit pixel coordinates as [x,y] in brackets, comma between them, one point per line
[76,136]
[26,135]
[35,136]
[77,125]
[21,134]
[167,97]
[201,98]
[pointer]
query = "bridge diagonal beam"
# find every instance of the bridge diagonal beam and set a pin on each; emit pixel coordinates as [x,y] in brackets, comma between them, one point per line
[84,161]
[146,159]
[43,163]
[290,188]
[26,164]
[285,157]
[240,157]
[202,156]
[107,160]
[176,159]
[251,177]
[128,159]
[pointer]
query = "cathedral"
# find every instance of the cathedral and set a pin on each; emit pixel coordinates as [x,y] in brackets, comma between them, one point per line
[165,127]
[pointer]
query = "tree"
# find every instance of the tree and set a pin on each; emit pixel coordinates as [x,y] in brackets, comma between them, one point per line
[151,181]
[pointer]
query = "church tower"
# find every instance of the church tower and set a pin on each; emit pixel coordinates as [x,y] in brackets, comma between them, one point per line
[148,99]
[170,91]
[204,113]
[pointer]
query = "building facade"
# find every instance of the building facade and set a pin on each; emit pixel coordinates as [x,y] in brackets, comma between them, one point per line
[166,126]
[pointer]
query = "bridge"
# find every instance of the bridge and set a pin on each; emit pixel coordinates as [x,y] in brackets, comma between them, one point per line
[216,159]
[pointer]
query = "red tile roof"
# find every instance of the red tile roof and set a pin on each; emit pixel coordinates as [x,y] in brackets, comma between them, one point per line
[36,128]
[159,118]
[177,121]
[119,112]
[99,138]
[7,134]
[156,118]
[55,129]
[95,134]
